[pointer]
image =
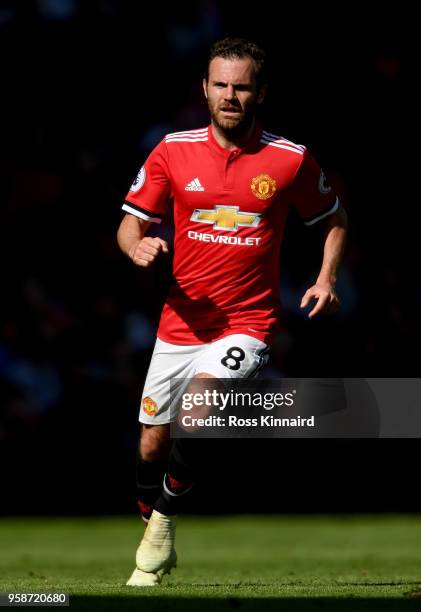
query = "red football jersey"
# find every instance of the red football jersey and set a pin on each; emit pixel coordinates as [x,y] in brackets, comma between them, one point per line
[230,209]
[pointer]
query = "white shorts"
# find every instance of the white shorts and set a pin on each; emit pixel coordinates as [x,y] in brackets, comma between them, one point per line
[235,356]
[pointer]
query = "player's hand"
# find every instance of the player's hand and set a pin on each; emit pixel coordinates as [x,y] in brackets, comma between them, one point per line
[144,252]
[327,301]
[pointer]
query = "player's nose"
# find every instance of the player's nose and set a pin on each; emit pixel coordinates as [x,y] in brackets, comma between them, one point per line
[229,92]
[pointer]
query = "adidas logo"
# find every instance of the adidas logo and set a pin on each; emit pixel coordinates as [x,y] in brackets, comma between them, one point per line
[194,185]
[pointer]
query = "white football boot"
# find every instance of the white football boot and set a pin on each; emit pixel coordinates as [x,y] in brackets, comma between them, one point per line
[156,554]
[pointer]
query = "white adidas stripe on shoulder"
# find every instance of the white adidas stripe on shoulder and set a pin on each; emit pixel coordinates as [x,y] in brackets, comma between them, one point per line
[283,143]
[281,146]
[268,137]
[188,133]
[186,139]
[281,138]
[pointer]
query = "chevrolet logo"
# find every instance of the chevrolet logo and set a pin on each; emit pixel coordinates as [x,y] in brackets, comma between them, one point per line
[226,217]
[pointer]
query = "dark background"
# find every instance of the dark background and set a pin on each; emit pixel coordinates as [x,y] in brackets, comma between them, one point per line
[88,88]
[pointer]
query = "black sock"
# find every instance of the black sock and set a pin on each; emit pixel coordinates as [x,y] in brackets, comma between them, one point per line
[149,478]
[180,476]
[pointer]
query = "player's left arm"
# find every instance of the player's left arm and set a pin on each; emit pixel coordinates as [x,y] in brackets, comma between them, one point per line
[323,291]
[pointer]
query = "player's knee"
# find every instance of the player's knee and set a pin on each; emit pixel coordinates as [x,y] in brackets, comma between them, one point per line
[154,444]
[151,450]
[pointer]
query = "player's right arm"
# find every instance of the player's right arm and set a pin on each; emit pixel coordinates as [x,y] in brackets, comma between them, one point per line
[146,202]
[141,249]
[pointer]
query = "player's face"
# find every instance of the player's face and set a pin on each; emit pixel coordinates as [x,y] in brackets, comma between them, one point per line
[232,95]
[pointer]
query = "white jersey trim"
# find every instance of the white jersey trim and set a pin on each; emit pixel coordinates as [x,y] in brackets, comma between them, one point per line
[281,139]
[187,132]
[139,214]
[325,214]
[179,139]
[281,146]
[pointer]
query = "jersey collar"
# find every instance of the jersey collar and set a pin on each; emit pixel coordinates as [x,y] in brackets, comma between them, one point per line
[249,147]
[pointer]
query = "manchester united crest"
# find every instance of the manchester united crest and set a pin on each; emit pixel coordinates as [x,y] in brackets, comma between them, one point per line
[149,406]
[263,186]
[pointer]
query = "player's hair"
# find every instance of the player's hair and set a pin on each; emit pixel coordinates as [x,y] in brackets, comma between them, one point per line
[233,47]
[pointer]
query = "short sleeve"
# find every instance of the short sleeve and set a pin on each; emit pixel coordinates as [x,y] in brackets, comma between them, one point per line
[149,194]
[311,195]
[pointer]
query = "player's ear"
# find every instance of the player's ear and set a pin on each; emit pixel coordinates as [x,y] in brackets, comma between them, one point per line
[205,86]
[262,94]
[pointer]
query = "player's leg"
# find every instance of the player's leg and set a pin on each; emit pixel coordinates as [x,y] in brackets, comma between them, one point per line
[232,357]
[156,554]
[167,362]
[151,465]
[154,558]
[183,469]
[235,356]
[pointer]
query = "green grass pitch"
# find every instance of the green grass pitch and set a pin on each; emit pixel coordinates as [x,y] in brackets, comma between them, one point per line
[238,562]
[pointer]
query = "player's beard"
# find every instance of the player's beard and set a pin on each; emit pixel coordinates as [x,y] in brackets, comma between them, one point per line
[233,129]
